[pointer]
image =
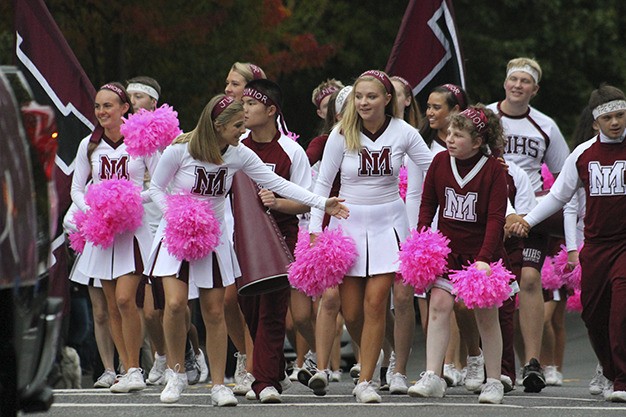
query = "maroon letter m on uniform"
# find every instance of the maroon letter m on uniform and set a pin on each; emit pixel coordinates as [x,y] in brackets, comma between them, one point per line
[210,183]
[113,168]
[375,163]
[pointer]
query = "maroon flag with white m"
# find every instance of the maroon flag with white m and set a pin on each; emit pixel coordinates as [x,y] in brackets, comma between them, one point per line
[57,80]
[427,52]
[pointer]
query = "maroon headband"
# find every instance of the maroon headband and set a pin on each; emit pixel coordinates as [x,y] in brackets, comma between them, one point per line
[98,131]
[404,82]
[220,106]
[257,74]
[380,76]
[478,119]
[323,93]
[457,93]
[267,101]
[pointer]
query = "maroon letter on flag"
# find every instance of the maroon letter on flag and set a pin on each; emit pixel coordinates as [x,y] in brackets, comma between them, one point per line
[426,51]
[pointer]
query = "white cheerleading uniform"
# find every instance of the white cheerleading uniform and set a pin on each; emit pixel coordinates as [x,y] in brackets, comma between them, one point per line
[369,182]
[533,138]
[178,172]
[525,199]
[108,161]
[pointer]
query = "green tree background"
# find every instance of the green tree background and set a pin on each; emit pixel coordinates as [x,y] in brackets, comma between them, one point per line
[189,46]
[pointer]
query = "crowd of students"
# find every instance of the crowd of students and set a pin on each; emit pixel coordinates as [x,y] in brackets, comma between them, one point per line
[473,172]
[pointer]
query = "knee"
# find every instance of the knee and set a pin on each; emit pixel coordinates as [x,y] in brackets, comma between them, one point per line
[126,302]
[175,307]
[100,317]
[213,315]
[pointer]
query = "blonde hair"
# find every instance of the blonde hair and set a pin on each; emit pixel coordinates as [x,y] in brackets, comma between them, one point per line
[203,140]
[351,122]
[330,82]
[244,69]
[522,61]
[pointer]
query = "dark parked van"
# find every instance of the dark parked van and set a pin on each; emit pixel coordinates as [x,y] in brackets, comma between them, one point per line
[29,319]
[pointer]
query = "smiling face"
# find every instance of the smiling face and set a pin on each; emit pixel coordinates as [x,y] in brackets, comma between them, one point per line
[520,87]
[611,124]
[235,84]
[109,109]
[370,99]
[230,133]
[460,143]
[438,111]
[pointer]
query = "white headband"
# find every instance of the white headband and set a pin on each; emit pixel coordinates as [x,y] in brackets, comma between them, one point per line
[527,69]
[340,100]
[609,107]
[142,88]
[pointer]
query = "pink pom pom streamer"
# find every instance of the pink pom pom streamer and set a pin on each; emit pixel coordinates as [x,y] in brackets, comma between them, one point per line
[548,178]
[550,280]
[77,238]
[192,231]
[322,265]
[146,131]
[574,303]
[115,207]
[423,257]
[477,290]
[569,276]
[402,182]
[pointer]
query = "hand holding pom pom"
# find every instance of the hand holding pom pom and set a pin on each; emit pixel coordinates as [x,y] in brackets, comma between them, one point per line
[192,231]
[479,290]
[550,278]
[77,237]
[423,257]
[145,132]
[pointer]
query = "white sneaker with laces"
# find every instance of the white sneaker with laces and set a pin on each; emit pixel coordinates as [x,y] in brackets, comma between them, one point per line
[204,369]
[269,395]
[429,385]
[507,383]
[293,376]
[398,384]
[355,372]
[132,381]
[222,396]
[251,395]
[176,383]
[552,376]
[319,382]
[366,393]
[392,366]
[285,383]
[618,397]
[607,392]
[598,382]
[156,376]
[192,368]
[452,375]
[492,392]
[335,376]
[244,385]
[240,368]
[105,380]
[475,372]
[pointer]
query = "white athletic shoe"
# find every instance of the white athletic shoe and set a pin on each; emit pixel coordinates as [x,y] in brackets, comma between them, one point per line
[335,376]
[244,385]
[492,392]
[251,395]
[319,382]
[176,383]
[240,368]
[365,392]
[452,375]
[598,382]
[429,385]
[132,381]
[398,384]
[552,376]
[475,372]
[607,392]
[204,369]
[222,396]
[105,380]
[618,397]
[156,376]
[269,395]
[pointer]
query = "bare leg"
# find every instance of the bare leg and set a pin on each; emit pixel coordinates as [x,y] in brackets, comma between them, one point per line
[115,321]
[174,321]
[404,328]
[325,326]
[531,312]
[102,330]
[441,305]
[153,320]
[489,328]
[212,305]
[125,294]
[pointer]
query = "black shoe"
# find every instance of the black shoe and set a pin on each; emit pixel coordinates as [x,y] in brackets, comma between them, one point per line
[533,378]
[384,385]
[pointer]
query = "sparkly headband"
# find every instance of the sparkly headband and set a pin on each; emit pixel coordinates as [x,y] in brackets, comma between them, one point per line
[323,93]
[380,76]
[342,96]
[524,68]
[257,74]
[120,93]
[142,88]
[220,106]
[609,107]
[404,82]
[457,93]
[478,119]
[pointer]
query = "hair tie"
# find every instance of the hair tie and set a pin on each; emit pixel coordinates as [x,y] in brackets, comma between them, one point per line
[380,76]
[220,106]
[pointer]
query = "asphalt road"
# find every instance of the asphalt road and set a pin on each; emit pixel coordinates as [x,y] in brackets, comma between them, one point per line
[572,399]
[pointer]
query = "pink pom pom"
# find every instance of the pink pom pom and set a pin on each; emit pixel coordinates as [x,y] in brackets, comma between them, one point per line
[477,290]
[402,182]
[145,132]
[574,303]
[548,178]
[77,238]
[324,264]
[423,257]
[569,276]
[114,207]
[192,231]
[550,280]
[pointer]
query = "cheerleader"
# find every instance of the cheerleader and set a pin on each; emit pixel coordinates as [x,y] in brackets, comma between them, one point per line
[202,163]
